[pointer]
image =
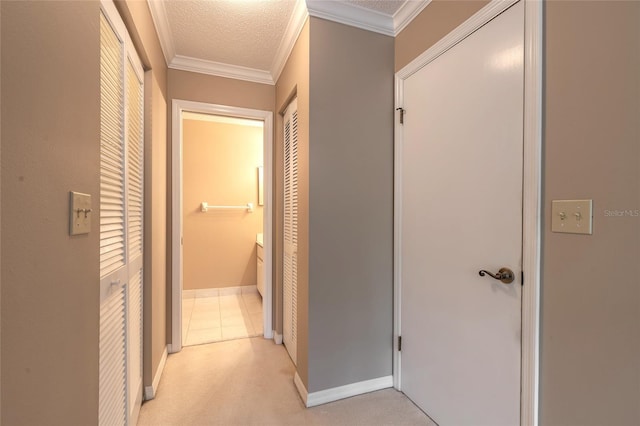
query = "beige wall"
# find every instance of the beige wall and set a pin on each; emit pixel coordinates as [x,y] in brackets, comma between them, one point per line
[137,18]
[590,360]
[294,82]
[50,145]
[50,296]
[434,22]
[350,205]
[155,244]
[590,339]
[190,86]
[220,163]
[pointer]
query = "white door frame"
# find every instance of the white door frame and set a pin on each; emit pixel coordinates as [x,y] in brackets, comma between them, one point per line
[531,227]
[179,106]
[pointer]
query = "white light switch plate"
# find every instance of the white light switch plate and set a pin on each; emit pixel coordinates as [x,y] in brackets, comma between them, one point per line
[79,213]
[572,216]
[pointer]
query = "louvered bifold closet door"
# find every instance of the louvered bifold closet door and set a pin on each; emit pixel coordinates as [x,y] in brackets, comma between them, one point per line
[113,271]
[121,222]
[290,256]
[135,196]
[112,389]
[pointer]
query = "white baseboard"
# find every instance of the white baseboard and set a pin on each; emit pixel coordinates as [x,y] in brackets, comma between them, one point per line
[172,348]
[222,291]
[189,294]
[150,391]
[277,337]
[248,289]
[341,392]
[268,334]
[301,389]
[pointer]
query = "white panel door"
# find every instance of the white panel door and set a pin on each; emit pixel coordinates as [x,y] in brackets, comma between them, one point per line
[461,204]
[290,257]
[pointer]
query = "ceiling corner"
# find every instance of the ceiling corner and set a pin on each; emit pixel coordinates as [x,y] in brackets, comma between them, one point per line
[407,12]
[294,27]
[161,22]
[351,15]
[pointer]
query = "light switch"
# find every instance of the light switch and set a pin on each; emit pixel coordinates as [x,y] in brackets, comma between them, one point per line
[79,213]
[572,216]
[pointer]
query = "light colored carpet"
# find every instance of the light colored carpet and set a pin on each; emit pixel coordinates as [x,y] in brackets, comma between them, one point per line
[250,382]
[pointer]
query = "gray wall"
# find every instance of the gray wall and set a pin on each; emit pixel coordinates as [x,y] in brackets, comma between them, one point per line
[590,359]
[350,205]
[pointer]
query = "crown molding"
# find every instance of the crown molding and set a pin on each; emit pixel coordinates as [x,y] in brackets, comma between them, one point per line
[352,15]
[186,63]
[291,33]
[161,22]
[347,14]
[407,12]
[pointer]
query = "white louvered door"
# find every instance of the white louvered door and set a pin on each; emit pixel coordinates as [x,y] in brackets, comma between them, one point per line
[290,258]
[135,194]
[121,233]
[113,273]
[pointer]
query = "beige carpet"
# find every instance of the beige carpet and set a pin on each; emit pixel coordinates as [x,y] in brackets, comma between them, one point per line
[250,382]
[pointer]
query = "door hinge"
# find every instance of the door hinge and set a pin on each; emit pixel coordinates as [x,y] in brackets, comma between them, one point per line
[402,111]
[399,343]
[522,278]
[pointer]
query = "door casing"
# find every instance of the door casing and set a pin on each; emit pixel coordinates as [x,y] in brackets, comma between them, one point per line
[178,107]
[532,188]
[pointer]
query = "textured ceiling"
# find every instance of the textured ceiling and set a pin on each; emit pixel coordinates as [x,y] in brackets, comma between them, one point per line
[244,33]
[251,39]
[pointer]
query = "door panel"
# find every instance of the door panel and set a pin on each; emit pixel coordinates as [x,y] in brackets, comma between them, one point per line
[135,204]
[462,212]
[113,267]
[121,222]
[290,255]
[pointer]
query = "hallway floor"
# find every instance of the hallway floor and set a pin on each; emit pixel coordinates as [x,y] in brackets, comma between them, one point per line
[213,317]
[249,382]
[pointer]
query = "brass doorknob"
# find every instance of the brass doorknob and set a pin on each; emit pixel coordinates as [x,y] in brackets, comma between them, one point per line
[504,274]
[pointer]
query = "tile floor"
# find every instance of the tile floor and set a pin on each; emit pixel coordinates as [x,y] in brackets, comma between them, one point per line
[214,316]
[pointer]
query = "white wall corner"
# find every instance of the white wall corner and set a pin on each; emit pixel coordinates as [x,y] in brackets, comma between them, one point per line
[351,15]
[277,337]
[301,389]
[150,391]
[346,391]
[407,12]
[161,22]
[291,33]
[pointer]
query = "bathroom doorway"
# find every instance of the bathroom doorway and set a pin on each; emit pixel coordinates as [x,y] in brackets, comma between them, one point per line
[221,224]
[222,213]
